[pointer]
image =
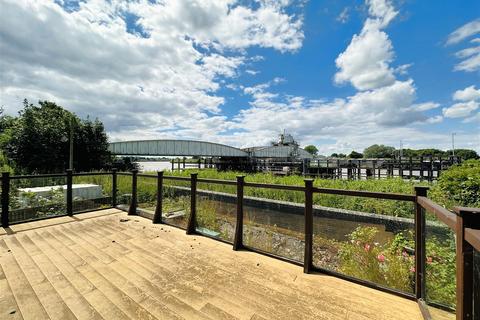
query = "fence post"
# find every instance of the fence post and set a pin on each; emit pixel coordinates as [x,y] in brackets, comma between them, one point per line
[114,187]
[5,198]
[132,210]
[420,256]
[466,218]
[69,192]
[238,240]
[308,256]
[193,204]
[157,217]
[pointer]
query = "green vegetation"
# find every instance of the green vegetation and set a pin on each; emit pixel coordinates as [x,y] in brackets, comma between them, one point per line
[311,149]
[459,185]
[379,151]
[38,140]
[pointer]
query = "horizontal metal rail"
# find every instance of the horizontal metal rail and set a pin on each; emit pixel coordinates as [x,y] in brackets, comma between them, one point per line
[472,236]
[367,194]
[447,217]
[82,174]
[32,176]
[274,186]
[217,181]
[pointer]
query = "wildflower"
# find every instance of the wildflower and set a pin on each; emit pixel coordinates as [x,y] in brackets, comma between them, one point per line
[429,260]
[381,258]
[404,253]
[412,269]
[367,247]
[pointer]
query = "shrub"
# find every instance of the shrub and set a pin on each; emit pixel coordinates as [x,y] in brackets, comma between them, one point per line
[459,185]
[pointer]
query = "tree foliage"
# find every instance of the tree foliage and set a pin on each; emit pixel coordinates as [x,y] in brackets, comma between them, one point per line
[379,151]
[37,141]
[311,149]
[355,155]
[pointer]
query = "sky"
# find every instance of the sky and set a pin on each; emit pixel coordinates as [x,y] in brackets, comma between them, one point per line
[341,75]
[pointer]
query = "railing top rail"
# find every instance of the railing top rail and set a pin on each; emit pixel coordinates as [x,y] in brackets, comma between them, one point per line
[176,178]
[103,173]
[33,176]
[367,194]
[472,236]
[447,217]
[143,175]
[274,186]
[218,181]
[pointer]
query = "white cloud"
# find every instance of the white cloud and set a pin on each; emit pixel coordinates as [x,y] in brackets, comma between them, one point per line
[157,80]
[467,94]
[460,110]
[344,15]
[464,32]
[365,62]
[425,106]
[470,56]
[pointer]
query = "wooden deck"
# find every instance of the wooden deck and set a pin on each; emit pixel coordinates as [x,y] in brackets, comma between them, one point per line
[99,265]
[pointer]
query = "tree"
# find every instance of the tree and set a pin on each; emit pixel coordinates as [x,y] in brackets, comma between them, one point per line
[311,149]
[355,155]
[379,151]
[465,154]
[39,140]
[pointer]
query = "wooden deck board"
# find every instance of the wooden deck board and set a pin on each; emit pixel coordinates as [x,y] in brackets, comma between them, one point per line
[95,266]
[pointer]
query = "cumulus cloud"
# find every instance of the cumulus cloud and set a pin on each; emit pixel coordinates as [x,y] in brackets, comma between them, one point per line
[365,62]
[470,57]
[461,109]
[467,94]
[156,72]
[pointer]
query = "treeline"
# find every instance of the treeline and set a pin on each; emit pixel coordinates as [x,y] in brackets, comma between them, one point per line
[388,152]
[38,141]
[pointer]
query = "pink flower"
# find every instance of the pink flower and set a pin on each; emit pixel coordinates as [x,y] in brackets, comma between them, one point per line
[412,269]
[381,258]
[367,247]
[429,260]
[404,253]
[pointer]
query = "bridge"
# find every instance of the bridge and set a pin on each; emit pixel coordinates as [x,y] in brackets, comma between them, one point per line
[203,149]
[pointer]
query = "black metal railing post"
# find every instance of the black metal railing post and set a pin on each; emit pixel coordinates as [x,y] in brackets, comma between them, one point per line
[114,187]
[420,254]
[193,204]
[466,218]
[308,256]
[157,217]
[238,240]
[69,192]
[132,210]
[5,198]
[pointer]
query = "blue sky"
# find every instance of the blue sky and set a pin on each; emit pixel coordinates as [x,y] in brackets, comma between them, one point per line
[338,74]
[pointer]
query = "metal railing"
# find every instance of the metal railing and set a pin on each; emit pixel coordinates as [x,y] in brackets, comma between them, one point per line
[465,222]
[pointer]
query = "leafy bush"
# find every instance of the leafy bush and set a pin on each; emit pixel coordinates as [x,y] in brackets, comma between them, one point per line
[459,185]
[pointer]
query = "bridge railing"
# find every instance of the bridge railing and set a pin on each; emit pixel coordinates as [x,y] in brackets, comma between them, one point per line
[185,202]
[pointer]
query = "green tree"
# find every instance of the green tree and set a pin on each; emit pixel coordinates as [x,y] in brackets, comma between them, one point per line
[311,149]
[379,151]
[39,140]
[465,154]
[355,155]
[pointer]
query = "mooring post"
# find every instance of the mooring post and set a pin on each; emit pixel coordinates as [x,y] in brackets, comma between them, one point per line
[238,240]
[69,192]
[420,254]
[193,204]
[5,199]
[466,218]
[173,164]
[114,187]
[157,217]
[308,256]
[132,210]
[410,161]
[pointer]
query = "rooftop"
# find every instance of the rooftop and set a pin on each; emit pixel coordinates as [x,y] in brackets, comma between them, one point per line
[105,264]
